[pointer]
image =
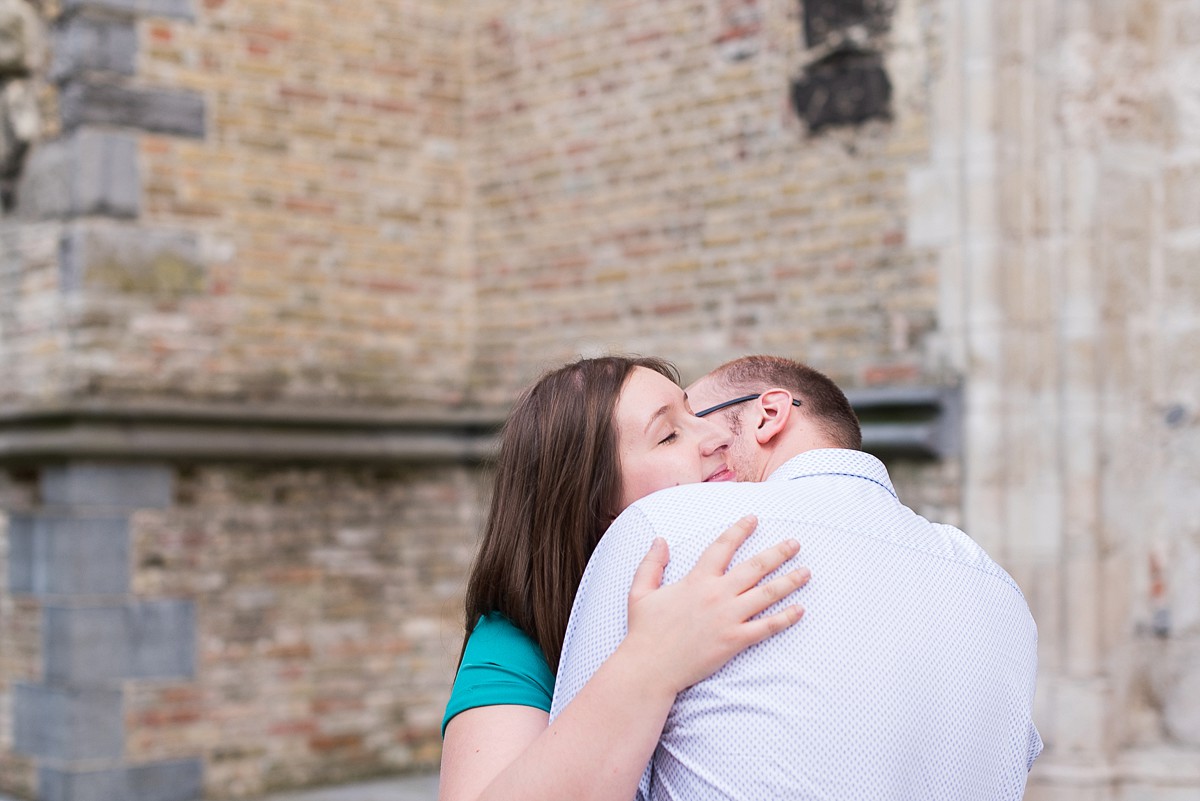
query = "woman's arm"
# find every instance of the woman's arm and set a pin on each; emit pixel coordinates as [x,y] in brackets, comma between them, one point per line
[599,746]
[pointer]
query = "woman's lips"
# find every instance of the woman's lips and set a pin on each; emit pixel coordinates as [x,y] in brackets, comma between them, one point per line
[724,474]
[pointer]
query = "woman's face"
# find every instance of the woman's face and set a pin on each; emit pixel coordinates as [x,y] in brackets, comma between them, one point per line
[660,442]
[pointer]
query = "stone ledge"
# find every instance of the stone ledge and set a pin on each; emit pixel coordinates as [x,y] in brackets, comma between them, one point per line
[208,438]
[180,9]
[918,422]
[921,422]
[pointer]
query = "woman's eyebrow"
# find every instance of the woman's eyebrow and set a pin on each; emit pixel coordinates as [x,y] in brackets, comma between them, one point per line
[655,416]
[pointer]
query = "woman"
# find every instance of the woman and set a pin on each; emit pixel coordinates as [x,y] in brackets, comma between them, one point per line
[582,444]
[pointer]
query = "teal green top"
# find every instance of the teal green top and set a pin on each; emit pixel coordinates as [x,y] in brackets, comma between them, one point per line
[501,665]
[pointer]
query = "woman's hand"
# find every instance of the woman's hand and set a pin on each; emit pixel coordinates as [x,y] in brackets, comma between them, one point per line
[687,630]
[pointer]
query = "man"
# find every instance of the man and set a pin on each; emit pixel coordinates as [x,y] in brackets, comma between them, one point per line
[911,675]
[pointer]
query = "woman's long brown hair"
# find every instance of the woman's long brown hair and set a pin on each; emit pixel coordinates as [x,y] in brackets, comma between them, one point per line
[557,488]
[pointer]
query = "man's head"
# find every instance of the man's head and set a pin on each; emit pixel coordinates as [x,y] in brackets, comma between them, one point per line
[766,424]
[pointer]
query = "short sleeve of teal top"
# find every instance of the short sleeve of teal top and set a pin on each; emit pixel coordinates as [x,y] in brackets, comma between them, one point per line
[501,665]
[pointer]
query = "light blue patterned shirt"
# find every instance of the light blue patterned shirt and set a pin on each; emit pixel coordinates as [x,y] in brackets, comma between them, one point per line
[911,676]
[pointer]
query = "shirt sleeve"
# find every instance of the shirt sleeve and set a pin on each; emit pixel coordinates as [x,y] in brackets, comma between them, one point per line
[501,665]
[600,614]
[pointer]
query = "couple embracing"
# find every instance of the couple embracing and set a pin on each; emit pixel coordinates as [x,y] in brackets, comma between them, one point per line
[634,614]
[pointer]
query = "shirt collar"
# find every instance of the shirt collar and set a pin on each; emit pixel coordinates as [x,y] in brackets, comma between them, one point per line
[835,461]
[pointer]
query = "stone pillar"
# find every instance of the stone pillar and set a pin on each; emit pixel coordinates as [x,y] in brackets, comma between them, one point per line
[73,556]
[88,178]
[69,558]
[1055,195]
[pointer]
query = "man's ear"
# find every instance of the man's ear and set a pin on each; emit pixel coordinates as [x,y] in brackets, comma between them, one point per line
[774,411]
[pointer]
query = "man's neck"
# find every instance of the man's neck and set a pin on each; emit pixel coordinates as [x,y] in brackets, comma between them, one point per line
[789,449]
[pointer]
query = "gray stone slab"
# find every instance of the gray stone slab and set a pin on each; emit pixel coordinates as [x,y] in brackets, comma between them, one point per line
[20,553]
[180,780]
[89,173]
[170,111]
[102,44]
[182,9]
[108,484]
[131,260]
[99,645]
[67,724]
[62,555]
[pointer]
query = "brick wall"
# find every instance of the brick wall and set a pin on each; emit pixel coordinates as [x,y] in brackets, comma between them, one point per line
[288,218]
[20,633]
[644,184]
[422,205]
[325,607]
[329,606]
[331,199]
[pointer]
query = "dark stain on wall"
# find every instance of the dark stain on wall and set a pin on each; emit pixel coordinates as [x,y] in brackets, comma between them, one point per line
[846,82]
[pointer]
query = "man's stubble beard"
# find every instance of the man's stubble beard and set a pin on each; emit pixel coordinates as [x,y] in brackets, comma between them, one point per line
[741,458]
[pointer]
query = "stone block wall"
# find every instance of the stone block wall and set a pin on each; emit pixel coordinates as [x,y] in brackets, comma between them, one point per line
[256,628]
[240,200]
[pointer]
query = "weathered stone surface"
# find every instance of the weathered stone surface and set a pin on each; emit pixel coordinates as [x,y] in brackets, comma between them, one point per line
[131,260]
[67,724]
[182,9]
[171,111]
[1175,680]
[88,173]
[20,123]
[846,88]
[21,38]
[1183,197]
[110,485]
[178,780]
[836,21]
[102,645]
[59,555]
[101,44]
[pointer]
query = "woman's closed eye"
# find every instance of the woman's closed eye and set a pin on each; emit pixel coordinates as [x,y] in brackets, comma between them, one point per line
[667,440]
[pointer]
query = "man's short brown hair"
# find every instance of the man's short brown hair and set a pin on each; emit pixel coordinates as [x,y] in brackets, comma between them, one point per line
[821,399]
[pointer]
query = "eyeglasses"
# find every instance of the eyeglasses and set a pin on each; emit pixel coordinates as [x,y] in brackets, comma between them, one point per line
[743,399]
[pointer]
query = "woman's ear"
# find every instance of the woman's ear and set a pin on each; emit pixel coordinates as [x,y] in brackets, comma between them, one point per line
[774,410]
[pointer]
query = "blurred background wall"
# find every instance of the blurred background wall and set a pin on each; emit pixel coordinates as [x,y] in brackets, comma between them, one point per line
[271,271]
